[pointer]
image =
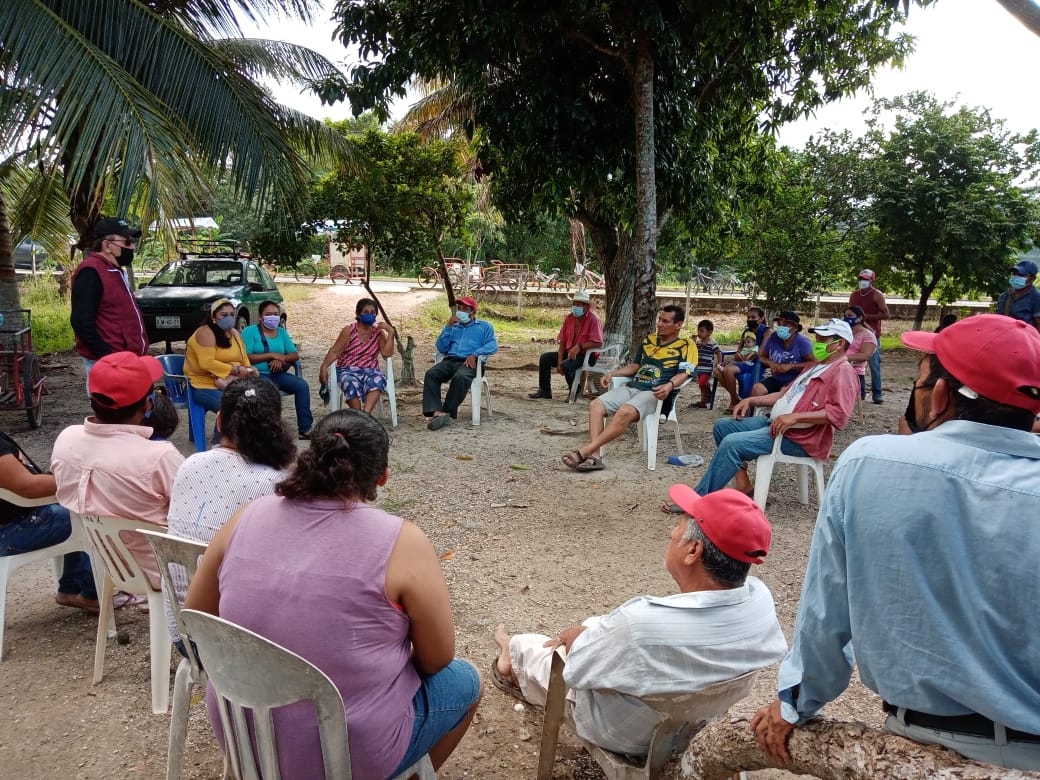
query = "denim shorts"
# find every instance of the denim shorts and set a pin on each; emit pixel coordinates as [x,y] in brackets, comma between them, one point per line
[440,704]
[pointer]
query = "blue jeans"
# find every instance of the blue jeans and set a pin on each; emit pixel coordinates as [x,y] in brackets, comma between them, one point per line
[440,704]
[209,399]
[739,441]
[298,388]
[43,527]
[875,374]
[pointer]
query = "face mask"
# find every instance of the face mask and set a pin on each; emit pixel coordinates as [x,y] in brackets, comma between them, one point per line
[462,316]
[226,323]
[752,324]
[783,332]
[126,256]
[367,318]
[577,311]
[820,351]
[1017,282]
[271,321]
[864,284]
[851,321]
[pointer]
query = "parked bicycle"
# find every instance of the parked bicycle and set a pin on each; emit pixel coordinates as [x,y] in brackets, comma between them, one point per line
[551,281]
[585,277]
[431,275]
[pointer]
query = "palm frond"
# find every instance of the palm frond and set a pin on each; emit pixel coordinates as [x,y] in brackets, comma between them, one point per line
[258,57]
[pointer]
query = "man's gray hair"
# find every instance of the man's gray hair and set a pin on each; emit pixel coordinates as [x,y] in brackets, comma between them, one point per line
[726,571]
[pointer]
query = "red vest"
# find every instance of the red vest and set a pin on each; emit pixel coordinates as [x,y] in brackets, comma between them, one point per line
[869,305]
[119,320]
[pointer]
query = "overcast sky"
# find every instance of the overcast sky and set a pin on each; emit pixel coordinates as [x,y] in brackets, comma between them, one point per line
[971,51]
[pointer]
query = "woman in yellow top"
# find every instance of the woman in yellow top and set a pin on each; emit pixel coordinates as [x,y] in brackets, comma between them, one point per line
[215,356]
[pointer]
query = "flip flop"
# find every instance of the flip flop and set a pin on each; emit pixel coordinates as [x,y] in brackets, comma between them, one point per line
[573,460]
[123,599]
[504,683]
[590,464]
[672,509]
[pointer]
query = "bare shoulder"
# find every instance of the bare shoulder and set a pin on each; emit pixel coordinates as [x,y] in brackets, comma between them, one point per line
[204,337]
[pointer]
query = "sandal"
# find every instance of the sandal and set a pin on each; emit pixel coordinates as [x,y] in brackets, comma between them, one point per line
[700,405]
[590,464]
[672,509]
[123,599]
[573,460]
[504,683]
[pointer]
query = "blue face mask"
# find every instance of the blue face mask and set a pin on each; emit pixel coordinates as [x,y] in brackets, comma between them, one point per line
[367,318]
[462,316]
[578,311]
[1017,282]
[783,332]
[151,398]
[851,321]
[271,321]
[226,323]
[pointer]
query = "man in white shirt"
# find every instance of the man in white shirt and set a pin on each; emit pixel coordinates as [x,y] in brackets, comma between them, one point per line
[721,624]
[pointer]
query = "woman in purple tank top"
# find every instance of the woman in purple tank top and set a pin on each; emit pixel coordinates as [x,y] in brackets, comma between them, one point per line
[357,592]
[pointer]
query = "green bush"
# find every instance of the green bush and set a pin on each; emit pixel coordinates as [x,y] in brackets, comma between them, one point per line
[51,329]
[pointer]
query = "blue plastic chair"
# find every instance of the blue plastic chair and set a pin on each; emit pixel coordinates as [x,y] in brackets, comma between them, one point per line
[177,386]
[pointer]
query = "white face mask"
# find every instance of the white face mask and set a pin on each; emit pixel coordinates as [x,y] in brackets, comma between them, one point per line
[864,284]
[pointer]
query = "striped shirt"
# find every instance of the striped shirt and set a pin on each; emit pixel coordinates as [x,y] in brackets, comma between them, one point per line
[358,353]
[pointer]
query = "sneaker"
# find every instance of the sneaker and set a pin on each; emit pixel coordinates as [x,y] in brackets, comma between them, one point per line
[879,400]
[686,460]
[438,422]
[540,394]
[306,435]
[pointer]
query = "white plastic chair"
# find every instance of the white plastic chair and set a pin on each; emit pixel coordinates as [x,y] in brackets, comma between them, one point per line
[173,551]
[764,472]
[682,714]
[77,542]
[123,571]
[479,383]
[649,426]
[251,673]
[389,397]
[607,359]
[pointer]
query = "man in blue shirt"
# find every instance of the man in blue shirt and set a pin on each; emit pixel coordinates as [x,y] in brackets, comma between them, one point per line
[1022,300]
[463,342]
[923,561]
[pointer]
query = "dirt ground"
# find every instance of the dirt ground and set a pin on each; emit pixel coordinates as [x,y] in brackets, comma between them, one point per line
[523,540]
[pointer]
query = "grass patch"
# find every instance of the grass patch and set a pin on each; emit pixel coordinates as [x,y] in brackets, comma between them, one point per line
[535,322]
[51,329]
[294,293]
[395,506]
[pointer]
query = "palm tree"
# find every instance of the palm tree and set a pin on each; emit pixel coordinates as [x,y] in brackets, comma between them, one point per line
[134,103]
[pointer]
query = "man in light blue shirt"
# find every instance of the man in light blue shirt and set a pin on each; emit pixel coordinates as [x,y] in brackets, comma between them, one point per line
[463,341]
[923,566]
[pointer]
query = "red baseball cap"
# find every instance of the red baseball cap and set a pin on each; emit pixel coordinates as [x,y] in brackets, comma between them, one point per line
[467,301]
[732,521]
[997,357]
[867,274]
[124,377]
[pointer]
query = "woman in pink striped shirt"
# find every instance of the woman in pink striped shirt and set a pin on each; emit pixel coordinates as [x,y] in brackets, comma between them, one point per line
[356,355]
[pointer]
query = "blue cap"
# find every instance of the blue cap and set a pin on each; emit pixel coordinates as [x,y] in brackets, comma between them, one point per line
[1024,268]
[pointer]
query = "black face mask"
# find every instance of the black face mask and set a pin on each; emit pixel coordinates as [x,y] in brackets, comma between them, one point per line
[752,325]
[126,256]
[910,415]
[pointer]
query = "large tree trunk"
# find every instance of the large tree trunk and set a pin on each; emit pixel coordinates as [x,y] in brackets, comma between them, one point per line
[831,750]
[645,238]
[613,251]
[9,294]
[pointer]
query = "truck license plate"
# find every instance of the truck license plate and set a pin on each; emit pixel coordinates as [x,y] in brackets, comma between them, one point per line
[167,322]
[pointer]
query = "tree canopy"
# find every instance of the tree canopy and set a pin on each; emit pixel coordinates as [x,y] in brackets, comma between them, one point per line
[938,200]
[621,113]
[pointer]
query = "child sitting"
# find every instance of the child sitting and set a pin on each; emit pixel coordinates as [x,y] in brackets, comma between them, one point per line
[708,355]
[163,417]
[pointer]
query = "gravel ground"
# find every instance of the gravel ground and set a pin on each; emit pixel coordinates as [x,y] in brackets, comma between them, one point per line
[523,541]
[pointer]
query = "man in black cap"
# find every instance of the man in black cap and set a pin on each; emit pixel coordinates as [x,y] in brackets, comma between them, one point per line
[105,317]
[1022,300]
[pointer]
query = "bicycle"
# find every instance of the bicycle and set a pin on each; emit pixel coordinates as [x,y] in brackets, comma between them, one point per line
[585,276]
[307,271]
[552,281]
[430,276]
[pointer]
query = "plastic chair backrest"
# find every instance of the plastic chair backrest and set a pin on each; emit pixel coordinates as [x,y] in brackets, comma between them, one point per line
[174,379]
[178,560]
[251,673]
[104,534]
[705,705]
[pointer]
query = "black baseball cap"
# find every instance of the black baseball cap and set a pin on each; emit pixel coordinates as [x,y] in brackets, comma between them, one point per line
[110,226]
